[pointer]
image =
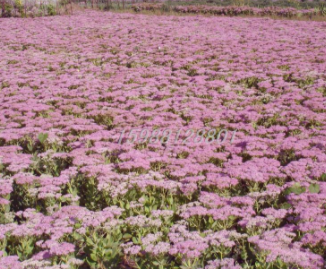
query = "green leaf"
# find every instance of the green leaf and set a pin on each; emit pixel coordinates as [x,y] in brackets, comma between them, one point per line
[127,236]
[285,205]
[323,177]
[299,190]
[42,137]
[91,262]
[134,239]
[89,241]
[147,209]
[295,188]
[93,257]
[244,253]
[314,188]
[30,147]
[287,191]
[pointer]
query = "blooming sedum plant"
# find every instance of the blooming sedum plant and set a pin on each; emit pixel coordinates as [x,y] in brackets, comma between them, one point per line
[72,196]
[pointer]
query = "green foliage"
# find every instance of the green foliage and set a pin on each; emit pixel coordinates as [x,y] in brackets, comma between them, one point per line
[166,7]
[21,199]
[51,10]
[285,205]
[322,90]
[26,248]
[19,6]
[301,82]
[90,197]
[323,177]
[103,251]
[250,82]
[4,84]
[296,188]
[189,264]
[321,9]
[42,137]
[23,247]
[106,120]
[270,121]
[7,12]
[286,156]
[314,188]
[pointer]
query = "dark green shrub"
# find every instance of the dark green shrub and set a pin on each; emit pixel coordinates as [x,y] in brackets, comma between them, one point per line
[7,12]
[51,10]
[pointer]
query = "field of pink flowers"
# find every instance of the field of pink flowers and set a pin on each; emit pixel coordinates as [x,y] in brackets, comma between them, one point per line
[71,196]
